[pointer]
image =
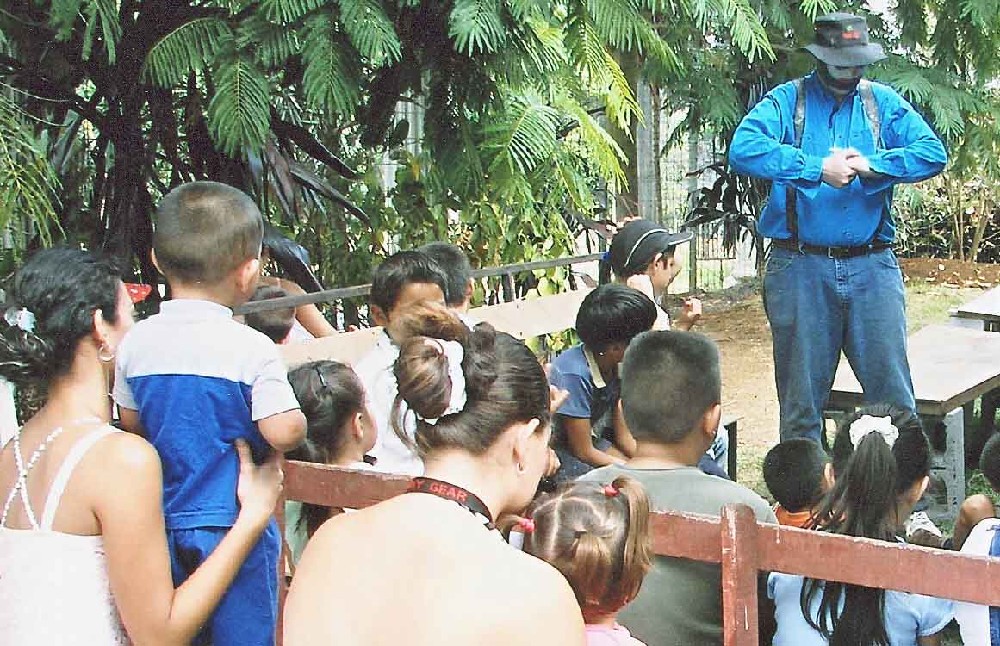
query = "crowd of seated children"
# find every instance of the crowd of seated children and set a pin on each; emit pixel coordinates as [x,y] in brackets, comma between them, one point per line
[274,324]
[882,463]
[598,537]
[797,473]
[405,279]
[670,396]
[979,623]
[83,550]
[340,430]
[590,431]
[220,382]
[481,405]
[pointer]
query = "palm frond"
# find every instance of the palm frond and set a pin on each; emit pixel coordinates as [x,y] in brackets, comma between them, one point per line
[523,135]
[330,80]
[287,11]
[188,48]
[29,187]
[239,113]
[477,26]
[370,30]
[101,14]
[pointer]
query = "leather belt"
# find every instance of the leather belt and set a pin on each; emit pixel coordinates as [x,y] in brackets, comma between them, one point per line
[831,252]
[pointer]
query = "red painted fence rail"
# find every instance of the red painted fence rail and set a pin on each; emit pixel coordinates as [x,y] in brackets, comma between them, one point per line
[742,547]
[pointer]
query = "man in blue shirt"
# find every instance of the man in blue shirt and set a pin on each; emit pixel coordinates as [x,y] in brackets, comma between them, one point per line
[834,145]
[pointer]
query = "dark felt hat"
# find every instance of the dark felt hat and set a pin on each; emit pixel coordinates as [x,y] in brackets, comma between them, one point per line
[842,41]
[637,243]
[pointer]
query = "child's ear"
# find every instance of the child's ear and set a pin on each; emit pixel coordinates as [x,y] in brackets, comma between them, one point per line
[358,426]
[378,315]
[710,420]
[248,275]
[152,256]
[522,440]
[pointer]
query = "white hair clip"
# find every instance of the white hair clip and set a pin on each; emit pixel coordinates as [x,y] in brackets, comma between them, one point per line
[20,318]
[454,353]
[867,424]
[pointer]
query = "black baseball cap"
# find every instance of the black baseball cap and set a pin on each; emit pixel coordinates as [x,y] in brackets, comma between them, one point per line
[637,243]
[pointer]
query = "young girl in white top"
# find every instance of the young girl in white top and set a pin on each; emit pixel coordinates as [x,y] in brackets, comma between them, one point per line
[83,550]
[340,431]
[598,537]
[882,460]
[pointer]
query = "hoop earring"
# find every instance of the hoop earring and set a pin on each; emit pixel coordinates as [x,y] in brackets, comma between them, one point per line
[105,358]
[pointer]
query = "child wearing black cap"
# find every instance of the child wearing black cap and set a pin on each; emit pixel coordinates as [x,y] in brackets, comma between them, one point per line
[642,256]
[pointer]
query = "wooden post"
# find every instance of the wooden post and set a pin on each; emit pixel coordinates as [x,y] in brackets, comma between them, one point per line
[739,576]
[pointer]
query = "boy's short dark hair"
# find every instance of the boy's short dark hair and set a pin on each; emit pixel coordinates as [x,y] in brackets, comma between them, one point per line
[274,324]
[794,471]
[989,461]
[205,230]
[456,267]
[613,314]
[402,269]
[669,379]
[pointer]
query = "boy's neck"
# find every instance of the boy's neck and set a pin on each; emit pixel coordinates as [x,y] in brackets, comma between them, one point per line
[656,455]
[601,619]
[224,297]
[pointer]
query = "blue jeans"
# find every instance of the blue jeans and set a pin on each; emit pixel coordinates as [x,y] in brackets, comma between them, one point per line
[819,306]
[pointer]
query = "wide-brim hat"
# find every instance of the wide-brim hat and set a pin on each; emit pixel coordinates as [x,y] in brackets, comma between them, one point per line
[637,243]
[842,41]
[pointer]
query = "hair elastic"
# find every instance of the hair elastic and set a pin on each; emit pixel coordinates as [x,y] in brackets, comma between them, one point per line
[453,353]
[610,490]
[21,318]
[866,425]
[525,525]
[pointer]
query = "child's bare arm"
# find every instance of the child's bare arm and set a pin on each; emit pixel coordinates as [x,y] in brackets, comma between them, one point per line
[129,419]
[578,436]
[284,431]
[623,437]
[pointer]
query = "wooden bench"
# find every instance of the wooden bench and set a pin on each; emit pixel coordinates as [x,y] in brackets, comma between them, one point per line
[951,367]
[735,540]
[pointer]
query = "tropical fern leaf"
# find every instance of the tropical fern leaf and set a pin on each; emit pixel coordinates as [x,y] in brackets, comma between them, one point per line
[596,145]
[370,30]
[330,80]
[272,44]
[287,11]
[29,187]
[523,135]
[239,113]
[63,16]
[477,25]
[189,48]
[101,14]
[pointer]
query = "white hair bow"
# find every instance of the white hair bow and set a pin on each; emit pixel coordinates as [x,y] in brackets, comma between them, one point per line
[453,353]
[867,424]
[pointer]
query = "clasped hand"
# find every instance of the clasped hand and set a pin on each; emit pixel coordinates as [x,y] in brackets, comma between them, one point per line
[843,165]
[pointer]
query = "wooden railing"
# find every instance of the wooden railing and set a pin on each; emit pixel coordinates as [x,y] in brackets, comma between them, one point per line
[735,540]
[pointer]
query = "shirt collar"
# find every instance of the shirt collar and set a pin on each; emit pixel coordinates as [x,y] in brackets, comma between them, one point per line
[595,370]
[194,308]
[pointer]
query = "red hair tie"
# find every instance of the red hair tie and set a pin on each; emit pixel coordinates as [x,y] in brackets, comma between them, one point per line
[525,525]
[610,490]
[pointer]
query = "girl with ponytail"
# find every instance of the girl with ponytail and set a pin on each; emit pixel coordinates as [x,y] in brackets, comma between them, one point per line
[881,458]
[428,567]
[598,537]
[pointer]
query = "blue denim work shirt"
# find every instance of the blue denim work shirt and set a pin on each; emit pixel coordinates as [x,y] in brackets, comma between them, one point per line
[764,146]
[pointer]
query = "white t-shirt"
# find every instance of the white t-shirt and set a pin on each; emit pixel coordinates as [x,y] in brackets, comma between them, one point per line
[375,370]
[973,619]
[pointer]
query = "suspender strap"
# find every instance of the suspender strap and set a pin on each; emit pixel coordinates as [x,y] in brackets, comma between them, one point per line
[874,120]
[791,195]
[66,470]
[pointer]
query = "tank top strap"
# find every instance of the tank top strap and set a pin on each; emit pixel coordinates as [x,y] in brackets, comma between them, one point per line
[66,470]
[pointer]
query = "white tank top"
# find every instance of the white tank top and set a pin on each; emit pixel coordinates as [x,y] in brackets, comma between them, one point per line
[54,586]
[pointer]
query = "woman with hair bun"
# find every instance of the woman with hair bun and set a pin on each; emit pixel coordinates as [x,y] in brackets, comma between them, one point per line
[428,567]
[83,550]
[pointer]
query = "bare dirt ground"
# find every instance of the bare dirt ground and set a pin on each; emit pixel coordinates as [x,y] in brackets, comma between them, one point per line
[735,320]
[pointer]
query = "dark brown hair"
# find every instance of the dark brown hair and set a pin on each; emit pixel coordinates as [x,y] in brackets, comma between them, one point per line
[505,384]
[600,542]
[205,230]
[329,394]
[274,324]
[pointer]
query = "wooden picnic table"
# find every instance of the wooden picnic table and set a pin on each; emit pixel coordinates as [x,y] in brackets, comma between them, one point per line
[951,367]
[985,308]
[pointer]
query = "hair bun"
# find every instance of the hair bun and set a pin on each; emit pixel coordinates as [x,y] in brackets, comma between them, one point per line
[422,377]
[481,360]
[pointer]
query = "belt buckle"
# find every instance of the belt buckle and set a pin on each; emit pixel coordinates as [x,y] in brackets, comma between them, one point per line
[836,253]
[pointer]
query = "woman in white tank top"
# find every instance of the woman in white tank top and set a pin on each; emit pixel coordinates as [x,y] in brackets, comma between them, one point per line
[83,551]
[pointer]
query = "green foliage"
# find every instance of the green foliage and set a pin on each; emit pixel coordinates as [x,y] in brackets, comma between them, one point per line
[370,30]
[239,113]
[329,81]
[477,26]
[188,48]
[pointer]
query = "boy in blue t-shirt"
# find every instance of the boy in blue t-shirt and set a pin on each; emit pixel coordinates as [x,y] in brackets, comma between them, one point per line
[193,381]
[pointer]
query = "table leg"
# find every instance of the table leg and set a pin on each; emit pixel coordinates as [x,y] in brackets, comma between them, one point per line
[948,466]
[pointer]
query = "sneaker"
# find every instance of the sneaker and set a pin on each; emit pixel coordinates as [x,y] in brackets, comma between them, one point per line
[921,530]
